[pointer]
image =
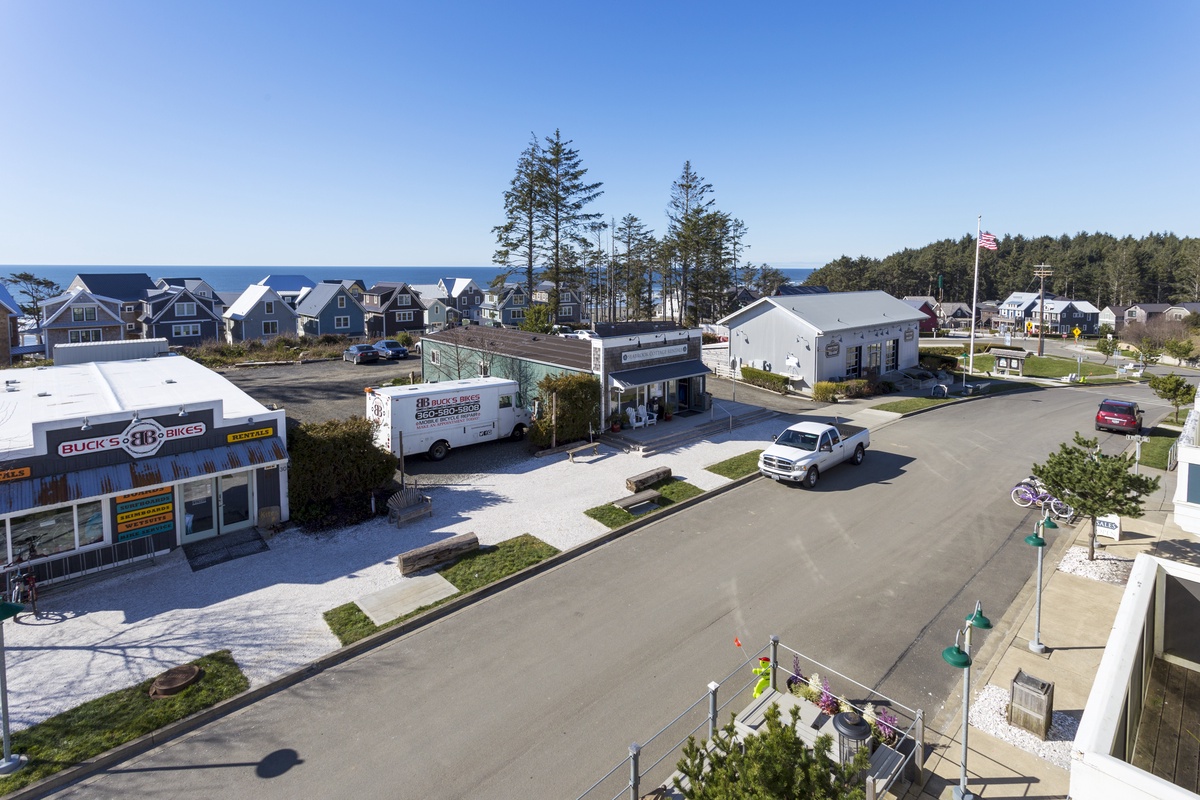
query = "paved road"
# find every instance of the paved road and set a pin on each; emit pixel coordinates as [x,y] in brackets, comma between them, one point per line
[536,692]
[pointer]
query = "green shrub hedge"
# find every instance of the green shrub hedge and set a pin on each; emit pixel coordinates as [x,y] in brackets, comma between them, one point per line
[825,392]
[335,465]
[857,387]
[767,380]
[575,411]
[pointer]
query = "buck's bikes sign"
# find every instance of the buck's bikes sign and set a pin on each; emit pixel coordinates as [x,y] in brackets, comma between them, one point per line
[142,438]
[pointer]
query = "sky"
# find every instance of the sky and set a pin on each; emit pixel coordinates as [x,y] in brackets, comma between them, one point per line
[365,133]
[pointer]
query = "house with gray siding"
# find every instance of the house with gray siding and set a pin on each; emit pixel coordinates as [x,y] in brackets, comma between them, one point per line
[80,316]
[504,307]
[180,317]
[10,315]
[128,287]
[259,314]
[330,308]
[440,310]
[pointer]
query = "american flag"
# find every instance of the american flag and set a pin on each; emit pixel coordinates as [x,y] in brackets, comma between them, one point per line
[987,240]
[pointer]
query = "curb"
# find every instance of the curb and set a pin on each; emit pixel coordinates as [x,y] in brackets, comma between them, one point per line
[128,750]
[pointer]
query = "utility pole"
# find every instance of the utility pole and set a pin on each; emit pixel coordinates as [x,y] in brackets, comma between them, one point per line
[1042,271]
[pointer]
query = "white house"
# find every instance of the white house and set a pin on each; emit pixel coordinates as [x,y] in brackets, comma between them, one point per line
[825,337]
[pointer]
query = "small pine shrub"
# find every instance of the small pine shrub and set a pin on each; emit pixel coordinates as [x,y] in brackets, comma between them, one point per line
[825,392]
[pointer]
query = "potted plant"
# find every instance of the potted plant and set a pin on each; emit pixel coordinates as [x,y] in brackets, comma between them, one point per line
[668,411]
[614,421]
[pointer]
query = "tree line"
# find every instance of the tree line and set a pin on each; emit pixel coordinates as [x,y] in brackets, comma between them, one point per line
[1096,267]
[621,268]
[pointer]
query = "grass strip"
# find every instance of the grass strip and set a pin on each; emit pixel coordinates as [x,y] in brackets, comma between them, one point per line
[738,466]
[672,491]
[1154,451]
[350,623]
[118,717]
[1050,367]
[910,404]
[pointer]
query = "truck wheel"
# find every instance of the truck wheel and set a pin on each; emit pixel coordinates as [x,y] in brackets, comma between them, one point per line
[810,480]
[439,451]
[859,455]
[518,433]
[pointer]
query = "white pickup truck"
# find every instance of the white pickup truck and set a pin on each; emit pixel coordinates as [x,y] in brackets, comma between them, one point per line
[802,452]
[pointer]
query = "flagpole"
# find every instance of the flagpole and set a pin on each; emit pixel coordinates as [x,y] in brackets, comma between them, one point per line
[974,298]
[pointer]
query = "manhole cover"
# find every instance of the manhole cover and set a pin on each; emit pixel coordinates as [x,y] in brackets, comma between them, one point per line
[174,681]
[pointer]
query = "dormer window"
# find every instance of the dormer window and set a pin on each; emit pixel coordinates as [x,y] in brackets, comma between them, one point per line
[185,309]
[269,307]
[83,314]
[342,302]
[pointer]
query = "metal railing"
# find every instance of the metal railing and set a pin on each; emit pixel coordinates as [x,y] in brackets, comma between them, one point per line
[713,411]
[669,741]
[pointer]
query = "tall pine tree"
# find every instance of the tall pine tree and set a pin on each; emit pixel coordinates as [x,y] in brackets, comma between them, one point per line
[519,237]
[562,213]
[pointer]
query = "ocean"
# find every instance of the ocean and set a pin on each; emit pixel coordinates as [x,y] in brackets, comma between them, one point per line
[235,279]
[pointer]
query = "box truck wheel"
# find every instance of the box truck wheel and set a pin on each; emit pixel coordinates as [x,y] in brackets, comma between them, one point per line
[439,451]
[518,433]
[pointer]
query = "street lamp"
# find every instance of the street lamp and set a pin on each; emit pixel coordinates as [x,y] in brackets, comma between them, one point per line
[10,763]
[1036,540]
[960,658]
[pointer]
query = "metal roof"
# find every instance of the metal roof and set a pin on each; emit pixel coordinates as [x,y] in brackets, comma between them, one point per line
[557,351]
[18,496]
[629,378]
[838,311]
[123,286]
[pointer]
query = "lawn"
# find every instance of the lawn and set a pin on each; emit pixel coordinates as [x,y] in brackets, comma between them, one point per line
[122,716]
[349,623]
[1154,452]
[910,404]
[738,466]
[672,491]
[1051,367]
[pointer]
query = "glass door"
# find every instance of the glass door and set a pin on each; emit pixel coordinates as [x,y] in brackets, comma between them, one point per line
[199,517]
[235,501]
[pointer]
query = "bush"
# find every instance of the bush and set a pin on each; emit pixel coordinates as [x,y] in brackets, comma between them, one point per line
[764,379]
[825,392]
[858,387]
[335,466]
[405,339]
[578,407]
[709,338]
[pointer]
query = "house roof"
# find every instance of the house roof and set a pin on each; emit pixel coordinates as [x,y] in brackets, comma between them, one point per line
[428,291]
[544,348]
[604,329]
[120,285]
[227,298]
[787,289]
[288,284]
[68,299]
[191,284]
[456,286]
[1118,311]
[7,301]
[919,303]
[924,298]
[838,311]
[250,298]
[319,296]
[1153,308]
[176,294]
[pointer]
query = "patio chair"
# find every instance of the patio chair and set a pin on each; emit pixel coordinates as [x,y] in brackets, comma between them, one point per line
[635,420]
[649,419]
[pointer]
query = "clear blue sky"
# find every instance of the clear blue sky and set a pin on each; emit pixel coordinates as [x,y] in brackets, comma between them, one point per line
[384,133]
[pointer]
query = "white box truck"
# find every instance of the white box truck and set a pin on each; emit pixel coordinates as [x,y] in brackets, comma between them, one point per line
[431,418]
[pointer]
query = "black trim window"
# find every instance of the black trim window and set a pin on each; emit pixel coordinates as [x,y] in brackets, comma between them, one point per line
[85,335]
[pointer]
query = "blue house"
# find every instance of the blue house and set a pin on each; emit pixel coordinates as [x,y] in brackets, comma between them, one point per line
[258,314]
[330,308]
[180,317]
[504,307]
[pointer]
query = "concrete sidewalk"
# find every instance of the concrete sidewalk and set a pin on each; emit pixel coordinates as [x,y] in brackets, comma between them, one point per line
[1077,616]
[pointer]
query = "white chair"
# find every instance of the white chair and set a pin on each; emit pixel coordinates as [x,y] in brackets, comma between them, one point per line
[650,419]
[635,419]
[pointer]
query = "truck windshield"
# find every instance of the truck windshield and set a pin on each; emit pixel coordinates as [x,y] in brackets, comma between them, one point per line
[798,439]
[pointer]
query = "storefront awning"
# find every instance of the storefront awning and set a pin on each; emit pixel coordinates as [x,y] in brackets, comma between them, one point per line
[629,378]
[82,484]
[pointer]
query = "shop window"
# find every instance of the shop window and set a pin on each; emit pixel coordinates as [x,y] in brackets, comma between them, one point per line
[853,361]
[891,359]
[57,530]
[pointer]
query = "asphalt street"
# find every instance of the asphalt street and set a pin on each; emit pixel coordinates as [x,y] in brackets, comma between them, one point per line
[537,691]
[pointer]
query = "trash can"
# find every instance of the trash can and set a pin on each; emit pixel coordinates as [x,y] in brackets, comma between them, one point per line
[1031,704]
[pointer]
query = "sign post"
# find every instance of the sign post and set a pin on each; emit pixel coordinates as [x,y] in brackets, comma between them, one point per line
[1137,443]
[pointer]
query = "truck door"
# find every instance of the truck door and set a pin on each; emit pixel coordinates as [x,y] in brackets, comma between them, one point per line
[506,417]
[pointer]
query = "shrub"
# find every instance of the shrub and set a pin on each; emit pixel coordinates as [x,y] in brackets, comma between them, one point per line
[825,392]
[334,467]
[405,339]
[767,380]
[709,338]
[858,387]
[578,407]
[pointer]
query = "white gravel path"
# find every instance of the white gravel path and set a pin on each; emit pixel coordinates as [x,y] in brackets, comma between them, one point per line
[266,608]
[989,713]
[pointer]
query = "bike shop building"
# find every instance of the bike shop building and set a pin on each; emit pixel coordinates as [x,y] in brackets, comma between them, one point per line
[103,463]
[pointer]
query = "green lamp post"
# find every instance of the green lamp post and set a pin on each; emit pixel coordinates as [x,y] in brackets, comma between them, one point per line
[10,763]
[1037,541]
[960,658]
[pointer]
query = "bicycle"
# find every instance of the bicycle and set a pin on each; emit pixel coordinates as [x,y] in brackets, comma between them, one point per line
[1032,490]
[22,585]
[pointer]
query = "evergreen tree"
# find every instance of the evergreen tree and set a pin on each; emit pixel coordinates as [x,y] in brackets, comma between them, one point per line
[1094,484]
[774,763]
[519,237]
[35,289]
[537,319]
[689,202]
[1175,389]
[562,210]
[633,268]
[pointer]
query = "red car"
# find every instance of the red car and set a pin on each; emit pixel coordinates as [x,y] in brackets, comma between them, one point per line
[1119,415]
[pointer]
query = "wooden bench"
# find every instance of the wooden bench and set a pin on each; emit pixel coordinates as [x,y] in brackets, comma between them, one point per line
[754,716]
[408,504]
[639,482]
[648,496]
[885,766]
[593,446]
[437,553]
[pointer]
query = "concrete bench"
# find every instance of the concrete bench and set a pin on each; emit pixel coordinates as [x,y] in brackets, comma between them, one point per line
[408,504]
[593,446]
[639,482]
[421,558]
[648,496]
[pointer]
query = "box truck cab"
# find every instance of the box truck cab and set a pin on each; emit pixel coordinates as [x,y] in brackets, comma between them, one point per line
[431,418]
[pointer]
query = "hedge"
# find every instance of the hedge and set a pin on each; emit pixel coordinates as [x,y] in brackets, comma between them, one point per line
[335,465]
[764,379]
[575,410]
[825,392]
